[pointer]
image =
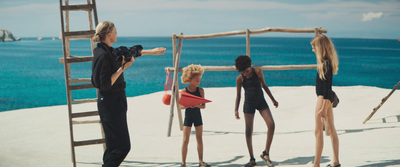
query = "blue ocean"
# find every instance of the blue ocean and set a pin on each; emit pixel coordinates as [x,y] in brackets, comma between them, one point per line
[31,75]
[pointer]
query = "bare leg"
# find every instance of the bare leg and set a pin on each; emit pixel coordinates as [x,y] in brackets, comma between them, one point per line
[249,121]
[269,120]
[319,138]
[199,138]
[334,136]
[186,135]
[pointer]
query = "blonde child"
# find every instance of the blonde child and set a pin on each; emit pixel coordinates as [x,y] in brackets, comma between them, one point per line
[327,65]
[192,74]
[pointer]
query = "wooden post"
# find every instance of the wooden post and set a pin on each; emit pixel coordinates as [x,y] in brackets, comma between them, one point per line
[317,31]
[383,101]
[175,87]
[173,48]
[178,106]
[248,42]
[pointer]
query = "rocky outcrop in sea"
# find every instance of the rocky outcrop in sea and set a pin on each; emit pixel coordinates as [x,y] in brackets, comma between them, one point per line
[6,35]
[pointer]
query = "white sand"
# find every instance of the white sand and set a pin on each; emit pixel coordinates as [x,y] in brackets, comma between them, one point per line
[40,136]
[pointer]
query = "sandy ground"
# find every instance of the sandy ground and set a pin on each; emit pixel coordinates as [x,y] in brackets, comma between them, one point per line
[40,136]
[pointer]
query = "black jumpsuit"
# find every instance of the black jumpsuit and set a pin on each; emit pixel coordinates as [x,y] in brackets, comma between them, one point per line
[324,87]
[254,96]
[112,105]
[193,115]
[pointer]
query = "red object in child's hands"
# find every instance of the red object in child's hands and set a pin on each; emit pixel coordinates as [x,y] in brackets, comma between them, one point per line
[167,99]
[189,100]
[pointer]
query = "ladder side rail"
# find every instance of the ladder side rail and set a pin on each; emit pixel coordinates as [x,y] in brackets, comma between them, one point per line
[66,68]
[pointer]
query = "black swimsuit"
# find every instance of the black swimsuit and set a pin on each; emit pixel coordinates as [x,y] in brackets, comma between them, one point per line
[193,115]
[324,87]
[254,96]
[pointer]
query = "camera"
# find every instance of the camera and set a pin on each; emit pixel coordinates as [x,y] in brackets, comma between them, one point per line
[128,53]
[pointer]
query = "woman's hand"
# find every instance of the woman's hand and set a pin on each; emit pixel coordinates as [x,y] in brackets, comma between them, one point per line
[158,51]
[322,114]
[237,115]
[125,65]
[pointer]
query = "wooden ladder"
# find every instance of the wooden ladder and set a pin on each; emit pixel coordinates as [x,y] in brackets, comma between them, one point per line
[81,83]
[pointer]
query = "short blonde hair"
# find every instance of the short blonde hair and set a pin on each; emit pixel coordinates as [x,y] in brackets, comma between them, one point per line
[102,29]
[191,71]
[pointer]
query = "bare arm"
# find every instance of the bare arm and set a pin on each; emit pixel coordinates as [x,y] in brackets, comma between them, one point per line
[239,81]
[155,51]
[265,87]
[181,106]
[116,75]
[324,109]
[201,106]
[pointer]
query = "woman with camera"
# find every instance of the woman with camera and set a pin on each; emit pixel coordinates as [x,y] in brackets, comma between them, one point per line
[108,77]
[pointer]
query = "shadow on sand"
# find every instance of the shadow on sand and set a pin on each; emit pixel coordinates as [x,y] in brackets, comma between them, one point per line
[142,163]
[387,119]
[302,161]
[383,163]
[230,163]
[340,131]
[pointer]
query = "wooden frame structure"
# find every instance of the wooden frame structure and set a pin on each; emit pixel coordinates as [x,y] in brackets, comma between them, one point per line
[80,83]
[395,87]
[177,49]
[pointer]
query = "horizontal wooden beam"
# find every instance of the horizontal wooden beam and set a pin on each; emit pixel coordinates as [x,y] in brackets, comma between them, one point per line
[84,101]
[85,114]
[86,122]
[81,87]
[83,7]
[233,68]
[88,142]
[77,59]
[80,34]
[80,80]
[261,31]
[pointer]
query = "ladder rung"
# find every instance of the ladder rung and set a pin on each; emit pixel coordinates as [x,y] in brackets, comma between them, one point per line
[80,87]
[86,122]
[77,59]
[80,80]
[85,114]
[80,34]
[88,142]
[84,101]
[84,7]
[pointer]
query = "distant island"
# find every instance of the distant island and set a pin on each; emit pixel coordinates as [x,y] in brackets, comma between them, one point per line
[6,35]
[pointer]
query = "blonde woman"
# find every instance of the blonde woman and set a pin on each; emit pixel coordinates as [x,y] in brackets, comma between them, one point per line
[108,77]
[192,74]
[327,65]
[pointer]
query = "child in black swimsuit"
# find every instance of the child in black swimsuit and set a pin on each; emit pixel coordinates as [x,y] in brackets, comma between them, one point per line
[252,79]
[327,66]
[192,74]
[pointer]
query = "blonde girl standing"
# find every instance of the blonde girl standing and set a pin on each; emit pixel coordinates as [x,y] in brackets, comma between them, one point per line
[327,65]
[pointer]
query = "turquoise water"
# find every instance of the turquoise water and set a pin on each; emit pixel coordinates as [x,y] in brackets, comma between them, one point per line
[32,76]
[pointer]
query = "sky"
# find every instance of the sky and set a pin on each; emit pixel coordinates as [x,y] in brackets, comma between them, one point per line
[342,18]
